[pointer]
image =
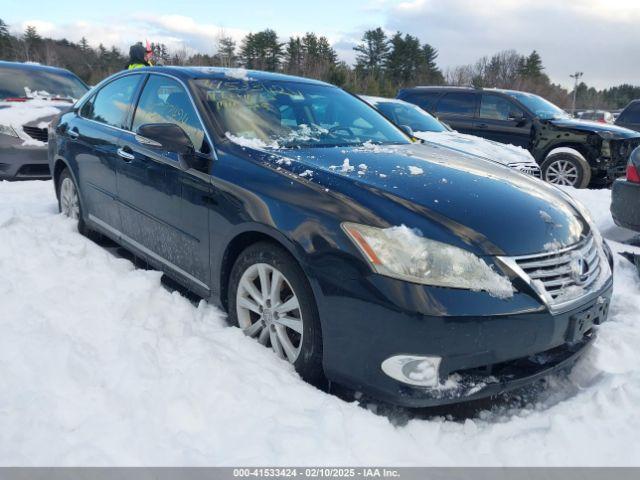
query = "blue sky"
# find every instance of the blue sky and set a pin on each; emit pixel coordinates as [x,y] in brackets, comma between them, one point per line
[598,37]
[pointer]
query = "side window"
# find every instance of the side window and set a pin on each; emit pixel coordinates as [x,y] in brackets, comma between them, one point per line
[458,103]
[425,100]
[631,114]
[495,107]
[111,104]
[164,100]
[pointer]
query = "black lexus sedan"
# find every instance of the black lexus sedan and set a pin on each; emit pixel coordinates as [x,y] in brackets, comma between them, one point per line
[30,96]
[409,272]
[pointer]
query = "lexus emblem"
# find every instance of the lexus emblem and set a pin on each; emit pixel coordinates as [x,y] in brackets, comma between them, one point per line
[579,270]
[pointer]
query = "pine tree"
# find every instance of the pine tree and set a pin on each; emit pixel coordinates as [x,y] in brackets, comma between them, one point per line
[227,51]
[5,40]
[372,51]
[4,30]
[84,45]
[430,69]
[31,35]
[532,65]
[294,56]
[262,50]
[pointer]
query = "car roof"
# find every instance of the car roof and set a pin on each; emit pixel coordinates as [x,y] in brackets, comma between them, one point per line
[194,72]
[436,88]
[34,67]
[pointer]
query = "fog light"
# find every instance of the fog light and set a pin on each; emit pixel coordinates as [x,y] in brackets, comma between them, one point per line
[415,370]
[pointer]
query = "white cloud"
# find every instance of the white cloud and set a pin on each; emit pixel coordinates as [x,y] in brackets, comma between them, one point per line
[597,37]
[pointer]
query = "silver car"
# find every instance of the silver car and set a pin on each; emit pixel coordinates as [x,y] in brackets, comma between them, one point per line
[30,96]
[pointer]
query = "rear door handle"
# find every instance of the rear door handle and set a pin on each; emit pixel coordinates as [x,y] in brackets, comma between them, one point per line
[483,125]
[126,156]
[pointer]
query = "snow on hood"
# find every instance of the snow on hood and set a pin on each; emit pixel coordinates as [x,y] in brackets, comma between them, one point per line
[460,198]
[37,111]
[498,152]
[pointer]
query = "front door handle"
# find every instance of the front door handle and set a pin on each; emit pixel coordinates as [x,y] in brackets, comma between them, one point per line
[483,125]
[73,133]
[126,156]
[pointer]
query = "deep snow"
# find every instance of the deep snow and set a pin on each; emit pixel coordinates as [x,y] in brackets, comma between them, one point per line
[100,364]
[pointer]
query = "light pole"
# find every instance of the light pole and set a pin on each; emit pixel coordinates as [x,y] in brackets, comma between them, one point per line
[576,76]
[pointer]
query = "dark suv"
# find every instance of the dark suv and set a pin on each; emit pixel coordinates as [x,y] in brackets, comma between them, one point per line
[630,116]
[569,151]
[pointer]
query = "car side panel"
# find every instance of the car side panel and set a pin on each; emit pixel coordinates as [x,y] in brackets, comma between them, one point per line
[155,215]
[94,156]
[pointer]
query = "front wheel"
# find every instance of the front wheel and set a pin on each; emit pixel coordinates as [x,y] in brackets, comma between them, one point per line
[69,202]
[270,300]
[566,169]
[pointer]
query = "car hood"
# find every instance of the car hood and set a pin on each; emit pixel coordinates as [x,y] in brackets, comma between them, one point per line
[456,198]
[611,131]
[36,112]
[497,152]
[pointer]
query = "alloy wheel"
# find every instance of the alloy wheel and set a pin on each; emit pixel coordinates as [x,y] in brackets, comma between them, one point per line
[69,202]
[268,309]
[562,172]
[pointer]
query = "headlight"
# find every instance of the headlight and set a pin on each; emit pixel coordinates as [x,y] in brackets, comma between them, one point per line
[403,253]
[8,130]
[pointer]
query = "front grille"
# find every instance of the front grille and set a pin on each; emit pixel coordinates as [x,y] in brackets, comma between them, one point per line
[621,149]
[564,274]
[40,134]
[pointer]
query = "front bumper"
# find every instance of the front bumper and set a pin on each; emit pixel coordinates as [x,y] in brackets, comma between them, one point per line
[488,346]
[625,204]
[21,162]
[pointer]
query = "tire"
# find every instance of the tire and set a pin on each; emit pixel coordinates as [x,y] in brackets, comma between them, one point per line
[565,168]
[264,320]
[72,208]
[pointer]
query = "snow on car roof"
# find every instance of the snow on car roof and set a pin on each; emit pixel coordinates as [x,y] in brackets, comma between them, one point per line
[221,72]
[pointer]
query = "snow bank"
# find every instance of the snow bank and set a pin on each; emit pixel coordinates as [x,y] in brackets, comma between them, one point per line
[101,365]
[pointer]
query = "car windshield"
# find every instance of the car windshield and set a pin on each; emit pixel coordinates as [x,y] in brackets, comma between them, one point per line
[540,107]
[20,83]
[402,114]
[293,114]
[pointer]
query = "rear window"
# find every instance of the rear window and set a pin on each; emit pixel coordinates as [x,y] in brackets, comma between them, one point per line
[425,100]
[458,103]
[17,83]
[631,114]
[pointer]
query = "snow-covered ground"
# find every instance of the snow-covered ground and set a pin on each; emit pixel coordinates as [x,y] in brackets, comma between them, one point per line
[102,365]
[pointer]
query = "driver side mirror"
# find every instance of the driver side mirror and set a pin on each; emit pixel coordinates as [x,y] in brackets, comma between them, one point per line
[516,116]
[167,136]
[407,129]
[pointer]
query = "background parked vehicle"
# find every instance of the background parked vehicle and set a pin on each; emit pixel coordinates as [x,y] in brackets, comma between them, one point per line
[429,129]
[625,195]
[630,116]
[305,214]
[600,116]
[30,96]
[569,151]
